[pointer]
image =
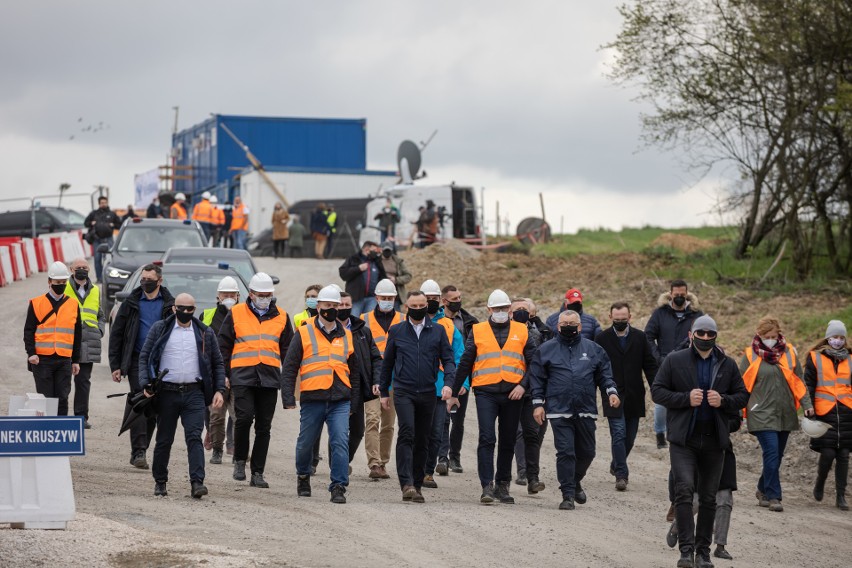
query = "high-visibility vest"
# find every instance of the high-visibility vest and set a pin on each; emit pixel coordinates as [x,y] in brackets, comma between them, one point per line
[207,316]
[322,358]
[380,336]
[331,219]
[239,219]
[55,335]
[218,216]
[493,364]
[256,341]
[450,329]
[177,212]
[833,387]
[90,305]
[301,318]
[203,212]
[787,364]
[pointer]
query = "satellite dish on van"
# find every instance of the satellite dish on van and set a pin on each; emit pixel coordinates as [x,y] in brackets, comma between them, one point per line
[408,159]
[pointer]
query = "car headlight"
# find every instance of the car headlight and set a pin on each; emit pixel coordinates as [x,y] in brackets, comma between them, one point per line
[253,245]
[118,273]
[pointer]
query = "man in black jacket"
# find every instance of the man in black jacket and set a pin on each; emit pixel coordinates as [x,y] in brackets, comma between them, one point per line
[701,389]
[191,384]
[414,349]
[361,272]
[630,355]
[146,305]
[102,222]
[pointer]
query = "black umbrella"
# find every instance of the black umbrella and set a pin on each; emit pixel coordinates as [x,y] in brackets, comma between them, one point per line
[139,406]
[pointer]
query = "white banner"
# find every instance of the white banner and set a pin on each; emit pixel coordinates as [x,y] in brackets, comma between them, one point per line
[146,189]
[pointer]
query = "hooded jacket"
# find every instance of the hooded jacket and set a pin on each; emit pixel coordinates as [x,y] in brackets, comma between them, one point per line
[412,361]
[665,330]
[590,326]
[125,328]
[628,364]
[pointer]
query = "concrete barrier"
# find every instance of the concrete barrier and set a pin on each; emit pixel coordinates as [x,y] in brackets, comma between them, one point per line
[6,270]
[30,256]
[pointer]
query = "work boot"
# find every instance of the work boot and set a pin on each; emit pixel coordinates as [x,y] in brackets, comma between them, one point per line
[199,490]
[501,492]
[383,473]
[621,484]
[721,552]
[702,559]
[375,472]
[841,471]
[258,481]
[429,481]
[240,470]
[534,485]
[762,501]
[138,460]
[775,505]
[160,489]
[661,441]
[338,494]
[567,504]
[823,467]
[442,468]
[408,493]
[686,560]
[303,486]
[522,477]
[418,496]
[455,465]
[216,458]
[487,496]
[580,495]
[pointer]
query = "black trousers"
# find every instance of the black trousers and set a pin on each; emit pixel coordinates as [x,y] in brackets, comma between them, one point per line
[279,246]
[574,439]
[700,459]
[529,440]
[357,427]
[142,431]
[253,404]
[451,442]
[414,424]
[53,379]
[189,408]
[498,425]
[82,388]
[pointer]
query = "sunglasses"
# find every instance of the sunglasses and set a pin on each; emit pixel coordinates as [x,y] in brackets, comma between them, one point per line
[185,309]
[704,333]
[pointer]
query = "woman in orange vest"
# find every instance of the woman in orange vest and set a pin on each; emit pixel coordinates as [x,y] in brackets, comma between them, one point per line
[827,376]
[772,374]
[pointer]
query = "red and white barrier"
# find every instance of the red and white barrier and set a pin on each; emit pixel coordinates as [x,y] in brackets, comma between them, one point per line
[6,271]
[30,256]
[23,257]
[18,266]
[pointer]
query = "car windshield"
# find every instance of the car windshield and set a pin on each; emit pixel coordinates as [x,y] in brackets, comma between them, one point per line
[68,217]
[158,239]
[242,266]
[202,287]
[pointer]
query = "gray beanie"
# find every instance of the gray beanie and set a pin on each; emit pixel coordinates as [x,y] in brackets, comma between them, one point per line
[835,327]
[705,323]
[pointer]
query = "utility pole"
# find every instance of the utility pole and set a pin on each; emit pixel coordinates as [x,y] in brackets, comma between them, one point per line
[482,213]
[63,187]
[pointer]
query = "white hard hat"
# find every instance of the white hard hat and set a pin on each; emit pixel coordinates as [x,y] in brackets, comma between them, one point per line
[385,288]
[214,199]
[205,195]
[261,282]
[498,299]
[430,288]
[58,271]
[229,284]
[330,293]
[179,196]
[814,428]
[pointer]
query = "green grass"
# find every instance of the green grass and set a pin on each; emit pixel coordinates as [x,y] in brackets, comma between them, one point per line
[813,325]
[602,241]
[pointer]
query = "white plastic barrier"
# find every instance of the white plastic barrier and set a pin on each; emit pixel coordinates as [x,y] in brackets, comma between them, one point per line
[29,251]
[17,252]
[48,252]
[6,265]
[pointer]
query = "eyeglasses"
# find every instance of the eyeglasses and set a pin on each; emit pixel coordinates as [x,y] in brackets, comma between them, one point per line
[704,333]
[185,309]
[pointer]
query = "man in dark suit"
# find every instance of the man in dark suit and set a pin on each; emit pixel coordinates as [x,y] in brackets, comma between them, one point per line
[630,354]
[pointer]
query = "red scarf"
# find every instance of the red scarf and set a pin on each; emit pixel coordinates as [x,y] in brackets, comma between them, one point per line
[771,356]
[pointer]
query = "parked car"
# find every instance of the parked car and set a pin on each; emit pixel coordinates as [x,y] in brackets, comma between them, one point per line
[139,242]
[199,280]
[47,220]
[239,260]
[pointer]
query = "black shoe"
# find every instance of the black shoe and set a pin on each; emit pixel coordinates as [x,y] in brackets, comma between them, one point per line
[567,504]
[721,552]
[522,477]
[501,492]
[487,496]
[580,496]
[671,535]
[702,560]
[534,485]
[160,489]
[216,458]
[686,560]
[841,502]
[86,425]
[661,441]
[442,468]
[338,494]
[258,481]
[621,484]
[240,470]
[303,486]
[455,465]
[313,470]
[819,490]
[138,460]
[199,490]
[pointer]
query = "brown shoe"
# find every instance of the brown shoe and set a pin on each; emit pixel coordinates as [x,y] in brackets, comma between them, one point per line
[671,514]
[775,505]
[375,472]
[408,493]
[383,472]
[418,497]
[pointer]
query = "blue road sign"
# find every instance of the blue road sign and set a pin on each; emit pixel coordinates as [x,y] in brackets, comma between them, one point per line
[25,436]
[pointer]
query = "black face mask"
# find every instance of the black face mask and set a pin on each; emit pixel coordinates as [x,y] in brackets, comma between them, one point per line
[183,317]
[387,253]
[373,255]
[575,307]
[703,344]
[432,307]
[81,274]
[417,314]
[58,289]
[569,331]
[620,325]
[521,316]
[344,314]
[454,307]
[679,301]
[329,314]
[149,287]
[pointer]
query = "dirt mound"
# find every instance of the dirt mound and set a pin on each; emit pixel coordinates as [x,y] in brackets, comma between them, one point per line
[684,243]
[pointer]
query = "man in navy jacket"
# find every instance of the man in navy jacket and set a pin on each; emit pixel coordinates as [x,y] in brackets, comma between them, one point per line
[414,350]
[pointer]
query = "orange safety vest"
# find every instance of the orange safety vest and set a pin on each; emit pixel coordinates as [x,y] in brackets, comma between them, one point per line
[256,341]
[55,335]
[450,328]
[203,212]
[787,364]
[239,220]
[380,336]
[322,358]
[492,364]
[178,212]
[218,216]
[833,387]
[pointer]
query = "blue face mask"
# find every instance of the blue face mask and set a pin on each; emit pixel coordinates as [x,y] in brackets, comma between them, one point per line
[311,303]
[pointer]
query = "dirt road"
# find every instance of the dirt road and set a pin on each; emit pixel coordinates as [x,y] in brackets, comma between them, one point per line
[120,522]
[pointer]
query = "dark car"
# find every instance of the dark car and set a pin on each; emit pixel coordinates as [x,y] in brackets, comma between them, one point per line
[139,242]
[237,259]
[47,220]
[198,280]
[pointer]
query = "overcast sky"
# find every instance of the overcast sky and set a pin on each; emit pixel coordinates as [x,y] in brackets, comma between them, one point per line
[517,93]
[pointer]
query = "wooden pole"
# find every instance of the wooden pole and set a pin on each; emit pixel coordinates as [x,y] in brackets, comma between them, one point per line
[541,200]
[497,221]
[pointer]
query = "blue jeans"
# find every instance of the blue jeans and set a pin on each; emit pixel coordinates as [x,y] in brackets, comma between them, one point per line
[99,257]
[631,426]
[336,416]
[490,409]
[659,419]
[574,439]
[618,433]
[239,237]
[773,444]
[189,408]
[364,306]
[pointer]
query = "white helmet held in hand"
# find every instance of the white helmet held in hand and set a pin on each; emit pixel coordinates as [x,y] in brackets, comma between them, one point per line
[229,284]
[430,288]
[498,299]
[58,271]
[261,282]
[385,288]
[330,293]
[814,428]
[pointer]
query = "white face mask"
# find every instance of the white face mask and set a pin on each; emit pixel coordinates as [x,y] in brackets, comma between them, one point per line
[229,302]
[262,303]
[836,342]
[386,305]
[769,342]
[500,317]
